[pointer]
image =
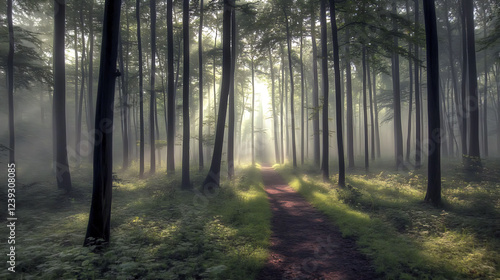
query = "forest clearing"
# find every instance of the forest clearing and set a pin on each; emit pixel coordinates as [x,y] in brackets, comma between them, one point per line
[240,139]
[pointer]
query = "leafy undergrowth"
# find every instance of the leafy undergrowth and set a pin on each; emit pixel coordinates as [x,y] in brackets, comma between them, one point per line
[158,230]
[405,237]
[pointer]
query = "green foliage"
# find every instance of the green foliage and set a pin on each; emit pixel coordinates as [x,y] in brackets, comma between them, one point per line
[405,237]
[158,231]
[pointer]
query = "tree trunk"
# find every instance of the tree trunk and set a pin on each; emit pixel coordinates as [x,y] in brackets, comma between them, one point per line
[365,106]
[253,113]
[213,178]
[465,70]
[301,101]
[398,135]
[141,97]
[485,105]
[273,102]
[230,136]
[410,104]
[10,81]
[418,110]
[200,85]
[315,101]
[100,211]
[152,8]
[338,95]
[62,167]
[170,91]
[186,184]
[123,107]
[434,169]
[289,47]
[281,112]
[349,112]
[372,132]
[324,88]
[473,101]
[90,88]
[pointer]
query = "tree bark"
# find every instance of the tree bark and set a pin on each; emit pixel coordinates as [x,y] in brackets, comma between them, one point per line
[186,183]
[253,112]
[372,132]
[123,106]
[398,135]
[141,94]
[418,110]
[349,111]
[61,165]
[273,102]
[365,107]
[324,88]
[200,86]
[338,95]
[230,137]
[152,9]
[10,82]
[98,229]
[315,101]
[292,112]
[301,101]
[433,194]
[170,91]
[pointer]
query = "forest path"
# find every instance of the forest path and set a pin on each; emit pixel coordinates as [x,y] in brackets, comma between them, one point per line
[304,244]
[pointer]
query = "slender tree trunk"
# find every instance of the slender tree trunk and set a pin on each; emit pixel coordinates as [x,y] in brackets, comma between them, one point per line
[90,88]
[464,97]
[485,105]
[100,210]
[230,136]
[152,8]
[301,101]
[186,183]
[10,82]
[123,107]
[315,101]
[82,91]
[410,104]
[324,79]
[273,102]
[365,106]
[377,134]
[398,135]
[338,95]
[253,113]
[289,47]
[213,178]
[434,170]
[170,91]
[372,132]
[62,167]
[75,42]
[141,97]
[418,110]
[200,86]
[473,101]
[281,111]
[349,112]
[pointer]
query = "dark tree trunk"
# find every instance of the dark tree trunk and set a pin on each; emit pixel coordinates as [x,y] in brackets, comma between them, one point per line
[324,88]
[434,169]
[186,184]
[301,101]
[200,86]
[365,106]
[398,134]
[473,101]
[377,134]
[170,91]
[10,81]
[349,112]
[253,113]
[90,88]
[61,165]
[75,42]
[213,178]
[281,112]
[273,102]
[100,211]
[464,96]
[289,47]
[410,104]
[152,9]
[82,91]
[418,110]
[338,95]
[372,132]
[141,97]
[230,136]
[485,105]
[124,106]
[315,101]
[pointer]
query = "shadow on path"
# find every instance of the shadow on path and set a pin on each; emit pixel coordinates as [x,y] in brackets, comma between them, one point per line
[304,244]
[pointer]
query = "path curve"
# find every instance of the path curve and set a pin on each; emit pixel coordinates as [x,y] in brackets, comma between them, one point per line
[304,244]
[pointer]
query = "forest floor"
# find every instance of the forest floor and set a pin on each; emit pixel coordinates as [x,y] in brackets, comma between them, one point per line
[304,244]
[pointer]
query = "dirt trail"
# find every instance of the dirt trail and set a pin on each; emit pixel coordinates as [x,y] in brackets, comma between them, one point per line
[304,244]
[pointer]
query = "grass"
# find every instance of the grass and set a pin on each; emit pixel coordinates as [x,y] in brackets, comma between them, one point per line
[405,237]
[158,230]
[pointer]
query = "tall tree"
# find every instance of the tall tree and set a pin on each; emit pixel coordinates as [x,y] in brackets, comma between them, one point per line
[273,103]
[100,211]
[349,112]
[170,91]
[398,133]
[90,88]
[338,94]
[230,136]
[289,47]
[59,99]
[213,177]
[124,104]
[10,82]
[418,110]
[302,105]
[434,169]
[152,99]
[473,101]
[365,106]
[186,184]
[315,102]
[324,88]
[200,86]
[141,94]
